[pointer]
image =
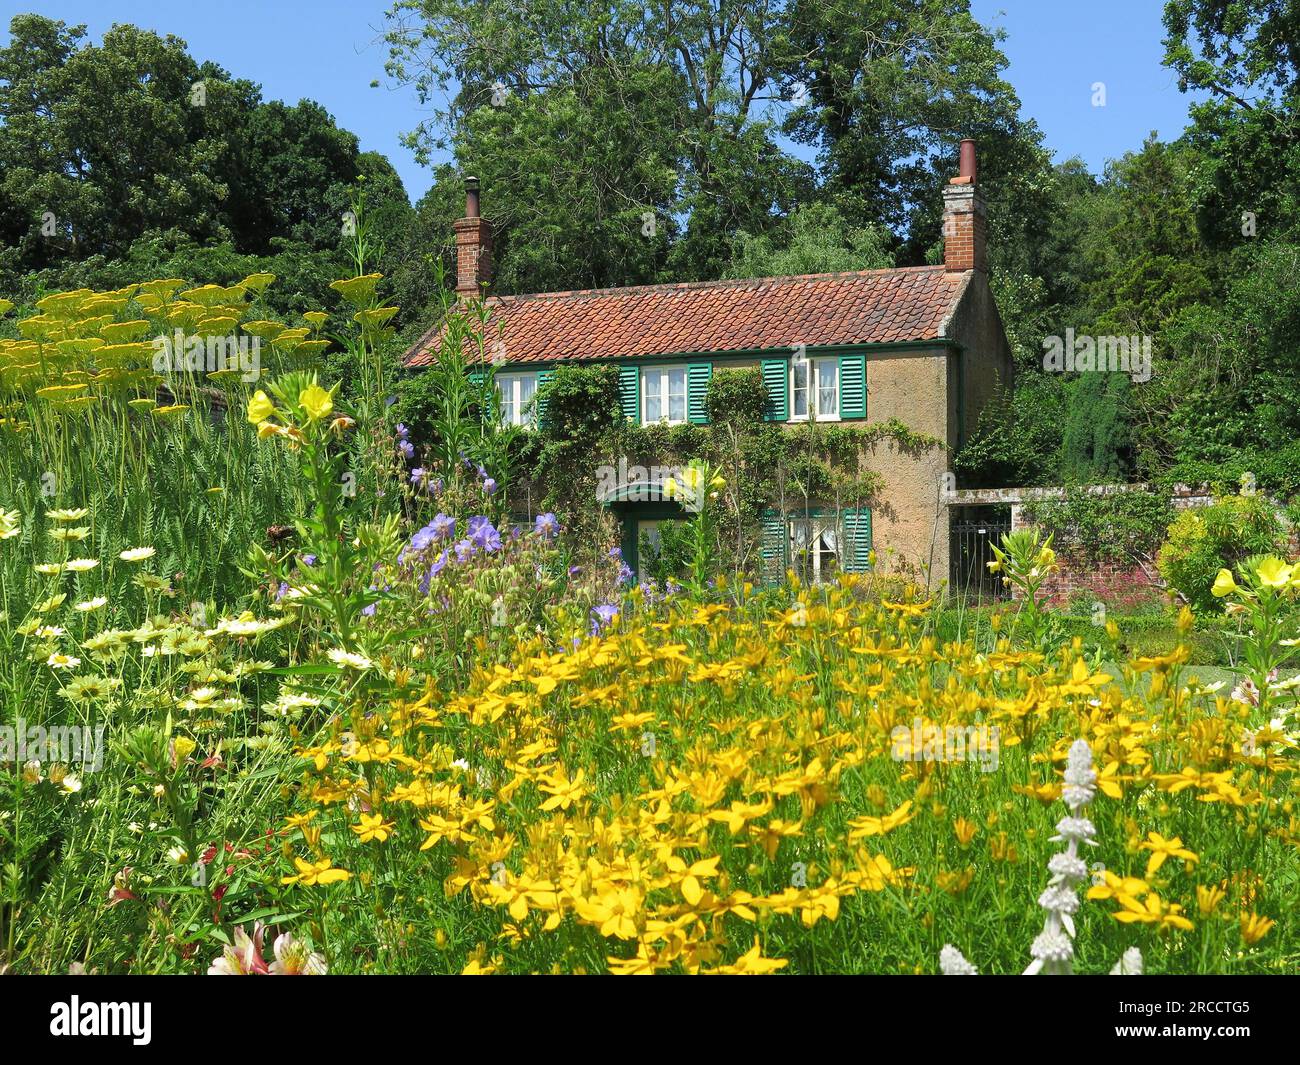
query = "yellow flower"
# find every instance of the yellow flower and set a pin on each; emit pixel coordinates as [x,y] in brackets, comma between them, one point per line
[964,830]
[1118,887]
[136,554]
[1223,584]
[316,402]
[751,963]
[1273,573]
[1255,927]
[357,290]
[312,873]
[1208,898]
[373,826]
[260,407]
[563,792]
[1154,911]
[257,282]
[614,912]
[1162,848]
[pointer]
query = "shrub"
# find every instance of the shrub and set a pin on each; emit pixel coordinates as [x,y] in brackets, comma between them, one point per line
[1203,541]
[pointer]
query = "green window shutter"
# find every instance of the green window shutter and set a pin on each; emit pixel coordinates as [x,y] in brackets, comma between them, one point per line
[772,549]
[853,386]
[698,375]
[543,379]
[776,381]
[629,387]
[477,374]
[857,539]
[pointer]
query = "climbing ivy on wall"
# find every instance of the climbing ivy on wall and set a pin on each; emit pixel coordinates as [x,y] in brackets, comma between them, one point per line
[766,464]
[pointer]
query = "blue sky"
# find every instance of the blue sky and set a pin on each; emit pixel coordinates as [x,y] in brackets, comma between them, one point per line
[330,51]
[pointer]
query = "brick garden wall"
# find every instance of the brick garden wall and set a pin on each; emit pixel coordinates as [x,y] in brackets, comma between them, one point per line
[1121,584]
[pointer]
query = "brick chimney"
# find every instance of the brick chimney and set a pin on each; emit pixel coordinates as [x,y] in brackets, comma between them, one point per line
[963,217]
[473,245]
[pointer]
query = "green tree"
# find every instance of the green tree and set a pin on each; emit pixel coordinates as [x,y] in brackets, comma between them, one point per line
[599,132]
[813,239]
[103,145]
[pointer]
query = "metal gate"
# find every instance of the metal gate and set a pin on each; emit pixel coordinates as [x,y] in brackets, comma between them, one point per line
[970,556]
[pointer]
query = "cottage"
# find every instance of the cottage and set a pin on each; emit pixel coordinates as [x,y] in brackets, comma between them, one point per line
[923,345]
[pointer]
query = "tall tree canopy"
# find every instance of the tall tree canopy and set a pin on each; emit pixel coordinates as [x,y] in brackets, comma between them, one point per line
[132,139]
[637,142]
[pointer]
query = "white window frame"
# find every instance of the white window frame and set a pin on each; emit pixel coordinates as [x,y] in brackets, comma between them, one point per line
[815,370]
[663,374]
[819,530]
[516,411]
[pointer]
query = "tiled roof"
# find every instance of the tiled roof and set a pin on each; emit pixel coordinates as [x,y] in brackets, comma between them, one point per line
[865,307]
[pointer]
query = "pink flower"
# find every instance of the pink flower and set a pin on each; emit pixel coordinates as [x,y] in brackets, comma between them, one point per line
[121,891]
[295,958]
[244,958]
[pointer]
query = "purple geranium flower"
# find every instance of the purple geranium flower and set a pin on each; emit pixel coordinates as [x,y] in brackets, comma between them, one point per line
[489,486]
[464,550]
[546,525]
[602,617]
[402,431]
[406,448]
[442,526]
[484,535]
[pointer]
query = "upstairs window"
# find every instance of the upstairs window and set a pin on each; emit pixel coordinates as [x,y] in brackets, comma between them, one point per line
[815,383]
[663,395]
[517,392]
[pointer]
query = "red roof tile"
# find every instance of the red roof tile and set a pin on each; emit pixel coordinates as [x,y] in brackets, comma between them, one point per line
[866,307]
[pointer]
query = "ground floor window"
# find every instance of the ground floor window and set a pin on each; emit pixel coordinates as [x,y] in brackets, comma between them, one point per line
[814,548]
[662,549]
